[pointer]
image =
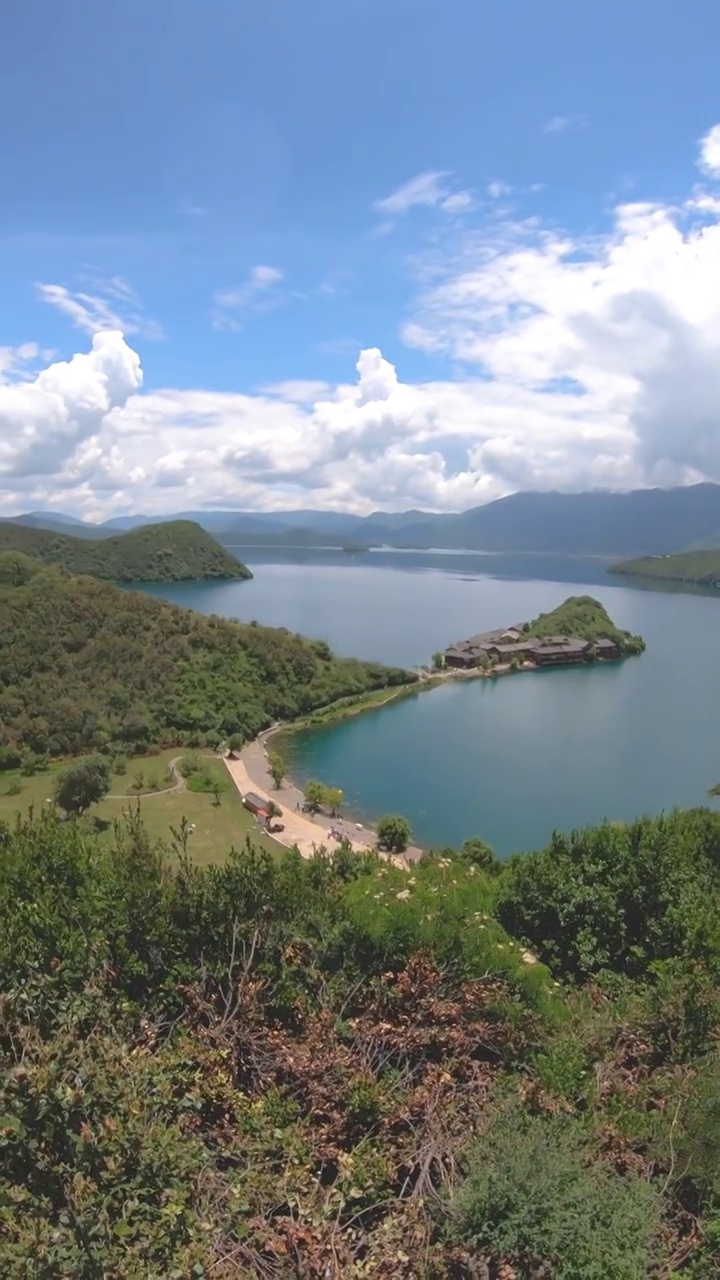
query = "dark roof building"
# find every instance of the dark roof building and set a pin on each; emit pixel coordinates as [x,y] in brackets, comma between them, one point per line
[552,649]
[255,803]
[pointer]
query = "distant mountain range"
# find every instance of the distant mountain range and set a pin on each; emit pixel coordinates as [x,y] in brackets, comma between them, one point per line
[642,522]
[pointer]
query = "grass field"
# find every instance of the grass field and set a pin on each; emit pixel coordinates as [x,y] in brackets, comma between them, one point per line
[218,827]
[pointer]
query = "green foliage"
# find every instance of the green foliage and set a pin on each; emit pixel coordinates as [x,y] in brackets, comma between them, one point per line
[447,909]
[32,763]
[84,663]
[250,1067]
[532,1196]
[479,854]
[334,797]
[82,784]
[314,793]
[394,832]
[170,552]
[206,780]
[620,897]
[438,661]
[698,1146]
[700,567]
[276,767]
[585,619]
[191,762]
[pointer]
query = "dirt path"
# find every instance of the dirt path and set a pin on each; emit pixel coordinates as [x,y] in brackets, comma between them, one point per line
[178,785]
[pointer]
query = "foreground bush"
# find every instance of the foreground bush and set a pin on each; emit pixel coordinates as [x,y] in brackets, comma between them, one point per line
[289,1068]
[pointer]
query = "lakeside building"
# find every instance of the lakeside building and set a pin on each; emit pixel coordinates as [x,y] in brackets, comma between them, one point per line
[255,804]
[505,646]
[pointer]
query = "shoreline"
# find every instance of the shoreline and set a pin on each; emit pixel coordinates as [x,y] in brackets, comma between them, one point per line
[305,831]
[253,774]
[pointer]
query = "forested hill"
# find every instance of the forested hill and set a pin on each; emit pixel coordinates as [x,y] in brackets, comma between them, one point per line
[700,567]
[84,664]
[584,618]
[171,552]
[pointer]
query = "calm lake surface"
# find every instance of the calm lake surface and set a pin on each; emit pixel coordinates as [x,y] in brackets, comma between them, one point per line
[513,758]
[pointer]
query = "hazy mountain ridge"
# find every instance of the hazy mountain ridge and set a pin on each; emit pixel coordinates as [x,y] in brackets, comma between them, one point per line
[598,522]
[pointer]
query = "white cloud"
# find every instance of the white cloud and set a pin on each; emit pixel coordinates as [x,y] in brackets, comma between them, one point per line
[429,189]
[497,189]
[297,390]
[44,422]
[710,152]
[260,292]
[16,361]
[113,305]
[578,362]
[565,124]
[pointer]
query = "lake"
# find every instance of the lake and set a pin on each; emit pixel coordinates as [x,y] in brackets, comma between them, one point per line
[511,759]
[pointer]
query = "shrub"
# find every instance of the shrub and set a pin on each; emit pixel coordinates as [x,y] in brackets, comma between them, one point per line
[532,1197]
[394,833]
[190,763]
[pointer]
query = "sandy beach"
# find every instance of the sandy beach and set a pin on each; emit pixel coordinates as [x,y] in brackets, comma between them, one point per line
[308,832]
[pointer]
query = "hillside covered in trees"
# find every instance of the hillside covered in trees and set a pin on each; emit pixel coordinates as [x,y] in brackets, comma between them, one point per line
[585,619]
[85,665]
[333,1068]
[699,567]
[171,552]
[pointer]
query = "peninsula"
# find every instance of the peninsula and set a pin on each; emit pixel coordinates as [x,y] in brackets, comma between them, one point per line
[579,630]
[702,568]
[177,551]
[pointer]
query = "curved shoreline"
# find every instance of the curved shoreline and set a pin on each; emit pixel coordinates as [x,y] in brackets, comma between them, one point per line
[253,773]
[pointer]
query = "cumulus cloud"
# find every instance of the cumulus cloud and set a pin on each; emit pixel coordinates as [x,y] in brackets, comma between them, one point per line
[710,151]
[45,421]
[577,362]
[113,305]
[260,292]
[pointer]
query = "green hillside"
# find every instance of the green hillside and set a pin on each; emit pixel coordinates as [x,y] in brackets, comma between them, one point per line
[700,567]
[84,664]
[585,619]
[172,552]
[281,1068]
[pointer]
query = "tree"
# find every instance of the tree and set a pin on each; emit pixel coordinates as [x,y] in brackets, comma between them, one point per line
[82,784]
[276,767]
[333,799]
[315,794]
[438,661]
[274,810]
[479,854]
[394,832]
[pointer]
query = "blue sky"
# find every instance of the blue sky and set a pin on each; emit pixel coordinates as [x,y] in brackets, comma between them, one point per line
[232,185]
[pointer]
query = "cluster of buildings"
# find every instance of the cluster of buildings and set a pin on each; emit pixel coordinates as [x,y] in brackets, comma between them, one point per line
[501,647]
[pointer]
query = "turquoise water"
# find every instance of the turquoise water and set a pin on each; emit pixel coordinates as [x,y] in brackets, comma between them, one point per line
[509,759]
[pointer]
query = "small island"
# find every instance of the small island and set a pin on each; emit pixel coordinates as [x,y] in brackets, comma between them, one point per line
[701,568]
[579,630]
[175,551]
